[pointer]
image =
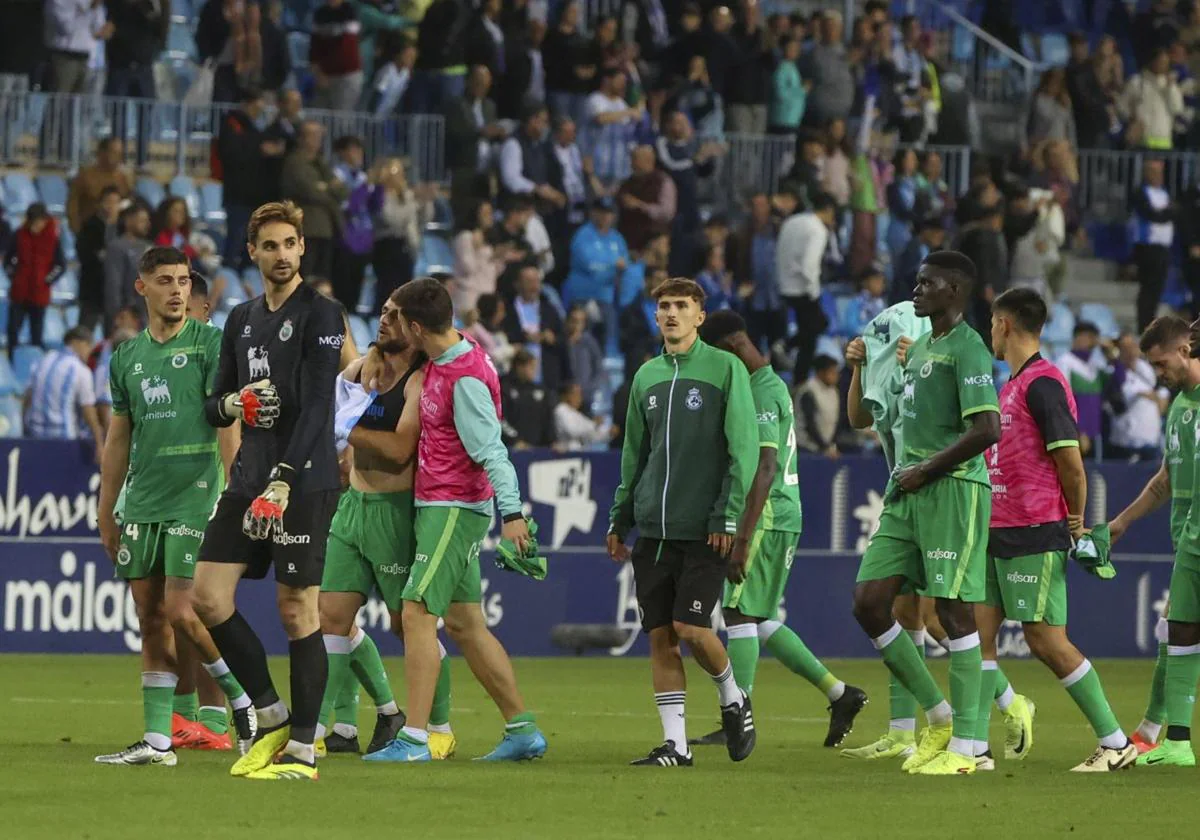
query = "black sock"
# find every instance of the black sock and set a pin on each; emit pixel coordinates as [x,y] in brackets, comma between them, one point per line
[243,652]
[310,670]
[1179,733]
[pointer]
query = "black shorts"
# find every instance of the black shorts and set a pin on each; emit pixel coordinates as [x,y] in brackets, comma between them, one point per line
[298,553]
[677,580]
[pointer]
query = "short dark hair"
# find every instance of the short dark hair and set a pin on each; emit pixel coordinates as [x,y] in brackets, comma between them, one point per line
[284,212]
[157,257]
[426,302]
[823,362]
[487,305]
[78,333]
[822,201]
[1085,327]
[680,287]
[522,357]
[36,211]
[347,141]
[199,284]
[953,261]
[1027,308]
[517,203]
[1164,330]
[721,325]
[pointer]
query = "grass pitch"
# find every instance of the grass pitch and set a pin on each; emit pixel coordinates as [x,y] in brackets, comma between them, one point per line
[598,714]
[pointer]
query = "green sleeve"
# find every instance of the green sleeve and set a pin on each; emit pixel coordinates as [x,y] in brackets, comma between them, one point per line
[768,411]
[116,384]
[634,454]
[976,390]
[478,427]
[372,19]
[212,358]
[742,439]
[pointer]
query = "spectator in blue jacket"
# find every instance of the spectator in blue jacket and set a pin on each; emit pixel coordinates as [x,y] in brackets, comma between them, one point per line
[903,195]
[717,281]
[599,255]
[357,240]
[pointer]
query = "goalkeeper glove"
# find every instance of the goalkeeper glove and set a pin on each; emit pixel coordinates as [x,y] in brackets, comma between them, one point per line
[266,512]
[256,405]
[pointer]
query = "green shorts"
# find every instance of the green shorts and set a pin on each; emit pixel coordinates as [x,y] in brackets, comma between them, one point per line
[446,567]
[1184,597]
[767,570]
[1029,589]
[936,538]
[370,545]
[155,549]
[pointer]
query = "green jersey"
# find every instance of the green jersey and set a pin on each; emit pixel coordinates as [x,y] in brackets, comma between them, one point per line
[777,430]
[174,464]
[947,380]
[1183,425]
[689,453]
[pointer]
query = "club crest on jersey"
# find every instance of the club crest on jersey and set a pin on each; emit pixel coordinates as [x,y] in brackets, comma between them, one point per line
[123,556]
[926,369]
[1188,415]
[652,403]
[285,332]
[155,391]
[260,365]
[694,400]
[137,368]
[179,360]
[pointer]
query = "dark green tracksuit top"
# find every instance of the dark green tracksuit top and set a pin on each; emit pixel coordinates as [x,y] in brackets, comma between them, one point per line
[691,447]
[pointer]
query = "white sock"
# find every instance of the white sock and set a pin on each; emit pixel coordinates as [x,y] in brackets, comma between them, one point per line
[918,637]
[440,728]
[356,638]
[836,690]
[159,741]
[271,716]
[967,642]
[346,730]
[943,643]
[1150,730]
[158,679]
[728,692]
[671,713]
[242,701]
[902,725]
[940,714]
[766,629]
[388,708]
[335,643]
[1005,699]
[320,733]
[981,748]
[1115,741]
[305,752]
[962,746]
[888,636]
[1076,675]
[414,734]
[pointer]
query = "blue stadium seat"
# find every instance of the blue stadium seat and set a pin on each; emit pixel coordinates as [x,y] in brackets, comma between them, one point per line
[65,288]
[8,379]
[1100,315]
[10,417]
[181,43]
[212,204]
[360,331]
[54,327]
[298,47]
[24,359]
[4,282]
[218,319]
[3,319]
[53,190]
[150,190]
[185,188]
[435,255]
[253,279]
[67,238]
[19,193]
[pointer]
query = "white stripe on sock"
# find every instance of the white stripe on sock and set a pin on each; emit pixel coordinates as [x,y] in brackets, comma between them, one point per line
[1006,698]
[1182,650]
[741,631]
[903,724]
[967,642]
[836,691]
[159,741]
[1115,740]
[962,746]
[889,636]
[1150,730]
[671,714]
[918,637]
[346,730]
[336,644]
[1076,675]
[981,747]
[943,643]
[728,691]
[990,665]
[217,669]
[767,629]
[159,679]
[442,650]
[357,637]
[940,714]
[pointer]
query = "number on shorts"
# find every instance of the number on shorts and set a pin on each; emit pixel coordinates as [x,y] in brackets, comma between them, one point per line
[131,531]
[790,476]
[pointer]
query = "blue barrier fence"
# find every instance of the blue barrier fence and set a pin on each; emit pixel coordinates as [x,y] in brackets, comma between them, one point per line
[58,592]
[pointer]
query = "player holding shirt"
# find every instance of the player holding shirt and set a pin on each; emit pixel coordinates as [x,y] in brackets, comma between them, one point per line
[773,502]
[1039,495]
[1165,345]
[160,448]
[933,527]
[461,465]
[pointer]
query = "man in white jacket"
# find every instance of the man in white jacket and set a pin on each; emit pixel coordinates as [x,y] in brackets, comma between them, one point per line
[799,253]
[1150,104]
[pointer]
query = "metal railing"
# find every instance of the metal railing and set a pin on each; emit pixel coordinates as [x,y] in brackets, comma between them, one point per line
[1107,179]
[60,131]
[995,72]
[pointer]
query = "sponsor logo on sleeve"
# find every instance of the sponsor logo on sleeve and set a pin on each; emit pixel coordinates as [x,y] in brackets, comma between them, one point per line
[335,341]
[978,379]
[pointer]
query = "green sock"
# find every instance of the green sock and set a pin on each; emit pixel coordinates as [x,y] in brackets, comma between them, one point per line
[788,648]
[345,704]
[965,674]
[522,724]
[743,654]
[337,650]
[187,705]
[901,704]
[1183,671]
[439,714]
[902,659]
[367,666]
[214,719]
[987,696]
[1088,694]
[1156,708]
[1001,683]
[158,692]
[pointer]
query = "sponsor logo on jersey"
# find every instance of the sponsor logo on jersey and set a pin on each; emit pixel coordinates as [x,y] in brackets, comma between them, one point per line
[184,531]
[697,607]
[940,554]
[336,340]
[188,559]
[179,360]
[260,364]
[155,391]
[910,391]
[285,332]
[284,538]
[1017,577]
[421,558]
[137,368]
[768,417]
[392,569]
[652,403]
[245,330]
[694,400]
[978,379]
[926,369]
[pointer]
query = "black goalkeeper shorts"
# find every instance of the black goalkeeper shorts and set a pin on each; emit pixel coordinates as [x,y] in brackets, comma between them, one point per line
[677,580]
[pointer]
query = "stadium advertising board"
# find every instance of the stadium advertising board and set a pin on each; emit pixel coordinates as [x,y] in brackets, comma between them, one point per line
[58,592]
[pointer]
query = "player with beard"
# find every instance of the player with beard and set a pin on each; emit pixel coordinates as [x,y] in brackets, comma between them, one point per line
[279,362]
[371,538]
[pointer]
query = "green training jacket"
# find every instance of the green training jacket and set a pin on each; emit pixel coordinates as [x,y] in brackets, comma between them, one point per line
[691,447]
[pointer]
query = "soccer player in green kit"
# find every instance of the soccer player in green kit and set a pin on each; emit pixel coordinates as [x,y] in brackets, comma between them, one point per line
[1172,353]
[161,446]
[933,530]
[751,607]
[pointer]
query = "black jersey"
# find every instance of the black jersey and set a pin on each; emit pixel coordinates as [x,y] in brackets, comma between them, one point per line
[383,415]
[298,348]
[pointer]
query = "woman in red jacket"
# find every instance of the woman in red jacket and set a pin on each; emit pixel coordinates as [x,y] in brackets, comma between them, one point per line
[172,227]
[34,261]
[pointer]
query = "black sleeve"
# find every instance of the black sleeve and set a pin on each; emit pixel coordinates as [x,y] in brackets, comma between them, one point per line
[1047,403]
[226,381]
[319,358]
